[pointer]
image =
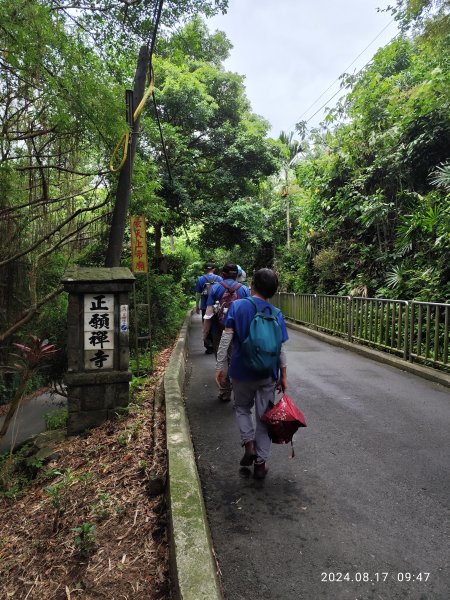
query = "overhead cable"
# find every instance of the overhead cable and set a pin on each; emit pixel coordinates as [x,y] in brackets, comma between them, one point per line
[345,70]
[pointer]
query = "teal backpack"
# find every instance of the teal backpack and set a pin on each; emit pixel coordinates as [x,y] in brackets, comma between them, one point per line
[261,349]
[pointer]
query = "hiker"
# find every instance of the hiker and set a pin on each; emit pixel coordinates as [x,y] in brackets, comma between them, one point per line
[242,275]
[253,387]
[221,297]
[202,289]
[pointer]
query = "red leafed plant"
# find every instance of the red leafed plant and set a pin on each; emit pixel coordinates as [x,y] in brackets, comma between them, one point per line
[35,354]
[31,360]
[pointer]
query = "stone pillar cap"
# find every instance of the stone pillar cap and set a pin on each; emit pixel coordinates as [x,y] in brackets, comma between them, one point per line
[101,274]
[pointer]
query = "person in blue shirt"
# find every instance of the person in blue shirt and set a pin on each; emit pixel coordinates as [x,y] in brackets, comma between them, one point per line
[250,389]
[202,289]
[211,324]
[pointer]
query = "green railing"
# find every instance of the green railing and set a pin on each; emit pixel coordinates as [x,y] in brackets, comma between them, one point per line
[380,322]
[416,331]
[429,333]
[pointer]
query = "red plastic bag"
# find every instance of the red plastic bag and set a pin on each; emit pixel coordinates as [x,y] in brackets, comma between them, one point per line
[283,420]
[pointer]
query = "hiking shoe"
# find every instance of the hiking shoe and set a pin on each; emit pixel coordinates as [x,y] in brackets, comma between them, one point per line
[260,470]
[222,398]
[249,455]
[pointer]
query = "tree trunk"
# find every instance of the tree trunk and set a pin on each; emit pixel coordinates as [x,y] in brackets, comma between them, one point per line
[118,223]
[161,261]
[14,404]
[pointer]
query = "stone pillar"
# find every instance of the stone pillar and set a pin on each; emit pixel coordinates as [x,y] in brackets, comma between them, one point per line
[98,351]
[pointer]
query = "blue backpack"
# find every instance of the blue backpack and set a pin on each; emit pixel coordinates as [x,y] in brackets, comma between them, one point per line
[261,349]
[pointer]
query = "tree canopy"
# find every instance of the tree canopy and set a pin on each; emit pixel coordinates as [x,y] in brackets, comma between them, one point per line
[359,205]
[375,220]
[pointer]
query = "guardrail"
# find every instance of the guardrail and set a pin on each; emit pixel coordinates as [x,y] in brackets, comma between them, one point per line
[415,331]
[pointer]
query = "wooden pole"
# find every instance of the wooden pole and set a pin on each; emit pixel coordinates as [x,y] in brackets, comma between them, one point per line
[120,214]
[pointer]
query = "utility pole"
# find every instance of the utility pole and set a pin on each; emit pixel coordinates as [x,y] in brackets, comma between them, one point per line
[120,213]
[288,211]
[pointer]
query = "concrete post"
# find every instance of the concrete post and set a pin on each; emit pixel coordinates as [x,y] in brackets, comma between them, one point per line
[98,352]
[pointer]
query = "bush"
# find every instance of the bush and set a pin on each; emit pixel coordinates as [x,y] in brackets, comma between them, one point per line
[56,419]
[168,309]
[17,470]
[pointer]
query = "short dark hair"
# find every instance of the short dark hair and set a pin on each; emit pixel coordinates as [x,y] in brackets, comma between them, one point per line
[265,282]
[209,265]
[230,270]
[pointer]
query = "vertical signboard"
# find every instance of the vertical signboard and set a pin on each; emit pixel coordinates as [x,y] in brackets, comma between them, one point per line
[139,257]
[124,318]
[98,331]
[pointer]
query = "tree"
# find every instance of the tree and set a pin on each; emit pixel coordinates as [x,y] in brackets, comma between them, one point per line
[373,221]
[215,148]
[61,86]
[292,150]
[55,134]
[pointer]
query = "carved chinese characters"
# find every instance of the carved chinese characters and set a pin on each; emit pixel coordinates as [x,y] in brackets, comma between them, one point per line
[139,256]
[98,331]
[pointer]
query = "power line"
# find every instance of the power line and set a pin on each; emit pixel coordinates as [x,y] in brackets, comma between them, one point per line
[161,135]
[340,89]
[345,70]
[324,105]
[151,45]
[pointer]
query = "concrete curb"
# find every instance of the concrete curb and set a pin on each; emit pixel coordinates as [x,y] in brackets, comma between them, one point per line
[193,567]
[389,359]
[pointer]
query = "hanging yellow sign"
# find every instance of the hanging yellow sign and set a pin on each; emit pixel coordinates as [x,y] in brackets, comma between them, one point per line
[139,257]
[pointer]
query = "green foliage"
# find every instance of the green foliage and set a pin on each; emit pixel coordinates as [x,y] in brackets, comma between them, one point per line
[441,177]
[85,539]
[101,509]
[35,382]
[366,197]
[178,263]
[137,383]
[168,309]
[215,146]
[56,419]
[429,16]
[373,200]
[17,471]
[58,491]
[128,434]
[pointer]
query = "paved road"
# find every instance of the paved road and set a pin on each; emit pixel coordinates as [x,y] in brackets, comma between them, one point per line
[29,418]
[368,490]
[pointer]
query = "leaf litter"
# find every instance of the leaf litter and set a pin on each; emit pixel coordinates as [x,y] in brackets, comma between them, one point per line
[110,487]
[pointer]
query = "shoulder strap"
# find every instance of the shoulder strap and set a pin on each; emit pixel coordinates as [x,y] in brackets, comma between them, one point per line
[252,301]
[273,312]
[230,288]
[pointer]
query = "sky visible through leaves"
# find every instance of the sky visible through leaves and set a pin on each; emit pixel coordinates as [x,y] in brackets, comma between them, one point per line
[291,51]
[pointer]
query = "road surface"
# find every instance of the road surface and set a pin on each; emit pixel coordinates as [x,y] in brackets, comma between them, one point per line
[29,418]
[360,513]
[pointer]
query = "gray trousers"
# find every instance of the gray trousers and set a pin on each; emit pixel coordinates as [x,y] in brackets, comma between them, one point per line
[259,394]
[225,388]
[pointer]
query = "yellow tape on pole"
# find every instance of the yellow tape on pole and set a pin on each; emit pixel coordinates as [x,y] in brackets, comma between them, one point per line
[124,140]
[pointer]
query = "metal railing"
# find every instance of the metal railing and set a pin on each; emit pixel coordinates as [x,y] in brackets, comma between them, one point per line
[415,331]
[380,322]
[429,333]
